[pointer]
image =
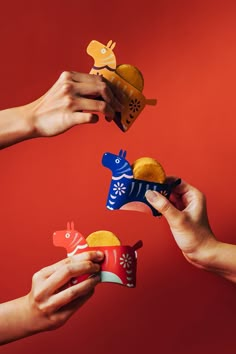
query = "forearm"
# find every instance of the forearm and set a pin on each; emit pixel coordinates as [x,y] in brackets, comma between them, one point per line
[217,257]
[14,320]
[15,125]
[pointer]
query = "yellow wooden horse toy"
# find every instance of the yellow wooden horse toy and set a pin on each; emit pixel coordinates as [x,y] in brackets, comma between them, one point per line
[126,77]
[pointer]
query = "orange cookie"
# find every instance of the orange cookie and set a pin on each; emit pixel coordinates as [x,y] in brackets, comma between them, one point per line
[148,169]
[102,238]
[132,75]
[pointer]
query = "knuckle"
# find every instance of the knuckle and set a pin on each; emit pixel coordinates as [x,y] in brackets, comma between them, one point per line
[39,276]
[98,78]
[37,296]
[67,260]
[46,309]
[69,269]
[66,87]
[89,265]
[36,276]
[68,102]
[41,273]
[65,76]
[58,321]
[102,106]
[164,205]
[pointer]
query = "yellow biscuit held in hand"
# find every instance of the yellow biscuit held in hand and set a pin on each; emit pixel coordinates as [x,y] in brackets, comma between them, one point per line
[102,238]
[148,169]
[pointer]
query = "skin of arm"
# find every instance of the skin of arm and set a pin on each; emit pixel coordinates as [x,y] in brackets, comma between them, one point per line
[51,301]
[72,100]
[186,214]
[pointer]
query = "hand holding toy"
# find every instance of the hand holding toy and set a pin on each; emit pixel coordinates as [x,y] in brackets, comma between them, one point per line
[119,263]
[125,77]
[126,190]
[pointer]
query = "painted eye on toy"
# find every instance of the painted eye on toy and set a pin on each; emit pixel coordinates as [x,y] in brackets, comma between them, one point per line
[67,235]
[103,50]
[117,160]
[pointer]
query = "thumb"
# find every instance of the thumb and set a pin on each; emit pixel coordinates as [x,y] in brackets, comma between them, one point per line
[163,205]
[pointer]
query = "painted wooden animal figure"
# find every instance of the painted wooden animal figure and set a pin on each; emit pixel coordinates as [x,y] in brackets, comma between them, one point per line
[73,241]
[125,189]
[120,262]
[125,76]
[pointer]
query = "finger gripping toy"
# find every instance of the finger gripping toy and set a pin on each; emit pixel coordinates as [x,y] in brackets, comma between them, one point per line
[125,189]
[120,261]
[125,77]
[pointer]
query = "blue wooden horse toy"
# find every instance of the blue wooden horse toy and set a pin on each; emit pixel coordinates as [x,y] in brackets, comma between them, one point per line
[125,189]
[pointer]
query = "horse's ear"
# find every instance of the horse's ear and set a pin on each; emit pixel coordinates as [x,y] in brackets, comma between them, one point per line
[109,43]
[72,225]
[68,225]
[124,154]
[121,153]
[113,46]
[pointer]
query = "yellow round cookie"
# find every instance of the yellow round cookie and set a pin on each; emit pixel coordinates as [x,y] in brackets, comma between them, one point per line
[148,169]
[132,75]
[102,238]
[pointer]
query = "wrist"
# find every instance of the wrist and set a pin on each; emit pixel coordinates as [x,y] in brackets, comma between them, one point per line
[205,255]
[27,117]
[28,319]
[15,125]
[16,320]
[219,258]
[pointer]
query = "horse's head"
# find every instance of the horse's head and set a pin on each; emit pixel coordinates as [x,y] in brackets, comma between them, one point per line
[103,55]
[70,239]
[117,163]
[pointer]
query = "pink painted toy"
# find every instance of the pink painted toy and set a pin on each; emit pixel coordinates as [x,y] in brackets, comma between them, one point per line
[120,262]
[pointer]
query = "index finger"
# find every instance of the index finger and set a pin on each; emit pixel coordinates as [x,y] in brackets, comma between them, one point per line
[94,256]
[82,77]
[181,188]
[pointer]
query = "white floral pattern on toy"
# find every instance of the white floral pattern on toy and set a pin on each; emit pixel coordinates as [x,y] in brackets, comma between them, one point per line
[119,188]
[119,264]
[126,260]
[125,189]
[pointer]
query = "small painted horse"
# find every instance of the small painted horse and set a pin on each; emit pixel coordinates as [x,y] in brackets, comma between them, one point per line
[119,264]
[133,99]
[124,188]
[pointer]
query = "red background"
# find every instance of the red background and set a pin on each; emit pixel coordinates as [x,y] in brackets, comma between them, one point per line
[186,51]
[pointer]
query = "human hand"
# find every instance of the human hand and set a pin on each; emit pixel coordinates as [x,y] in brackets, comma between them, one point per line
[51,301]
[186,214]
[72,100]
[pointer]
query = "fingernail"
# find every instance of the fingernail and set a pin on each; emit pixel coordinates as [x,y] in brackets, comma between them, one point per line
[100,254]
[151,196]
[109,119]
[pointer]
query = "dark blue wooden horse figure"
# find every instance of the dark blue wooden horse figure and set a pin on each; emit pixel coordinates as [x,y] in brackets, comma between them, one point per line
[125,188]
